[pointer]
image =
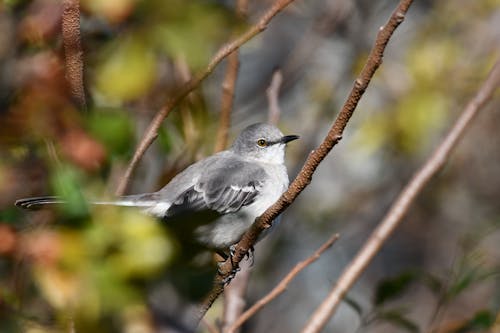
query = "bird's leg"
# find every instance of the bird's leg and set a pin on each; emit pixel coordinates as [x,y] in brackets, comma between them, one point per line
[231,275]
[225,256]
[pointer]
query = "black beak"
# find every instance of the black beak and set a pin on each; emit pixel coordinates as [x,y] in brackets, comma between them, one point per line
[288,138]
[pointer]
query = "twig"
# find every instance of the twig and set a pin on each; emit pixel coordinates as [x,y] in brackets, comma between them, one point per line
[73,50]
[281,287]
[400,206]
[234,297]
[272,97]
[228,87]
[315,157]
[152,131]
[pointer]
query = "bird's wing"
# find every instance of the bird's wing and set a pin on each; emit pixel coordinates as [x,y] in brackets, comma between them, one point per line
[224,186]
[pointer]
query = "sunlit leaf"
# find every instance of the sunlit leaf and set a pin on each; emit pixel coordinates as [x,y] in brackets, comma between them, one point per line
[61,288]
[145,249]
[192,33]
[127,71]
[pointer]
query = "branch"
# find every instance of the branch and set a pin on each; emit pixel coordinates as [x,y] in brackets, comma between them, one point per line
[73,50]
[272,97]
[281,287]
[152,131]
[234,297]
[400,207]
[228,87]
[315,157]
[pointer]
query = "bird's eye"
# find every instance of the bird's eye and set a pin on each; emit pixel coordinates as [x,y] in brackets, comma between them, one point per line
[261,143]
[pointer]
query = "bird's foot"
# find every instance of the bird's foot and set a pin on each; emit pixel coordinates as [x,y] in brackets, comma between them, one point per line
[231,275]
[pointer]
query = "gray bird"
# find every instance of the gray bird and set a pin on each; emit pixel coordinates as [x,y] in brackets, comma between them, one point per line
[227,190]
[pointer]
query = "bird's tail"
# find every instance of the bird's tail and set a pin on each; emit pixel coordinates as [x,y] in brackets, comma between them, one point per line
[139,200]
[38,202]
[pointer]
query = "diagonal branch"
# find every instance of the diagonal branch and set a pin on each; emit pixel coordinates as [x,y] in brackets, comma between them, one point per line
[152,131]
[73,50]
[399,208]
[283,284]
[316,156]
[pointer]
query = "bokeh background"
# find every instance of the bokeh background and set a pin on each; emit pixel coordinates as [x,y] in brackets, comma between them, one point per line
[92,269]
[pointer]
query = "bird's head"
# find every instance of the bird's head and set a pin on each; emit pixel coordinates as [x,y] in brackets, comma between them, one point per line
[262,142]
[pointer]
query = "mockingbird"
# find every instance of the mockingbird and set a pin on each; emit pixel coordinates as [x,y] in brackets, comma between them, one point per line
[219,196]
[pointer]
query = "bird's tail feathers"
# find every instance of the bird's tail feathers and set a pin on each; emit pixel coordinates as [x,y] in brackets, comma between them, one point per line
[139,200]
[38,202]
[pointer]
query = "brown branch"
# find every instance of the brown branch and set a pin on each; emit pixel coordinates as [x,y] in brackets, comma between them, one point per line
[152,131]
[401,205]
[316,156]
[73,50]
[228,86]
[272,97]
[234,296]
[281,287]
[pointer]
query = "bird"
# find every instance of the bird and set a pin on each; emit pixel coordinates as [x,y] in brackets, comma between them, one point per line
[217,198]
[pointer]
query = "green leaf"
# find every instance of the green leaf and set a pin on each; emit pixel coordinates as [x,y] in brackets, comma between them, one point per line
[66,184]
[393,287]
[469,277]
[482,321]
[113,128]
[397,318]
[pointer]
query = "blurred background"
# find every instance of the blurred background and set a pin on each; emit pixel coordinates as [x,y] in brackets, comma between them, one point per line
[79,268]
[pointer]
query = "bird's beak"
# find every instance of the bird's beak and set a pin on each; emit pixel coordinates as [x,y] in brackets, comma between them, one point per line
[288,138]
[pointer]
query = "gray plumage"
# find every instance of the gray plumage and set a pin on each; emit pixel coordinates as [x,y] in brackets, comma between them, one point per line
[237,185]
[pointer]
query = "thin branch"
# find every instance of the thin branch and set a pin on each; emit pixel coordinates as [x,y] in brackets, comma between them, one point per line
[234,297]
[152,131]
[228,87]
[400,207]
[315,157]
[73,50]
[272,97]
[281,287]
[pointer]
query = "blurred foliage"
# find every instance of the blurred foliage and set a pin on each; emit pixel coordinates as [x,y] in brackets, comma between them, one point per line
[392,288]
[467,271]
[126,71]
[426,85]
[94,267]
[113,129]
[97,267]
